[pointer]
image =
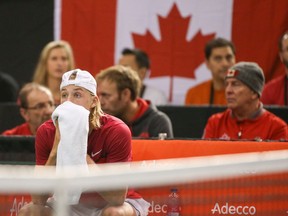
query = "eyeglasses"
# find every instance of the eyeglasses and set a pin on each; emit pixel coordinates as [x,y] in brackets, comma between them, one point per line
[41,106]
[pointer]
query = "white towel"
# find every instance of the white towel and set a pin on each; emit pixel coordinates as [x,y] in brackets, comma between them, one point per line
[73,121]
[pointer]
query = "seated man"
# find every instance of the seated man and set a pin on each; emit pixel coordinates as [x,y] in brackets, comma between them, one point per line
[276,92]
[219,57]
[118,90]
[245,117]
[139,61]
[108,140]
[36,106]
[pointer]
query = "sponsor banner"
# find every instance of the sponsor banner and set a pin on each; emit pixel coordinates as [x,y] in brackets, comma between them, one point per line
[251,194]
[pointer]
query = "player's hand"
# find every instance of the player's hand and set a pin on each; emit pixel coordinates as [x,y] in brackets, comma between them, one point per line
[57,135]
[89,160]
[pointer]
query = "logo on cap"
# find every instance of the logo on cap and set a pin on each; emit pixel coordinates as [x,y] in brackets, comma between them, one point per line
[73,75]
[232,73]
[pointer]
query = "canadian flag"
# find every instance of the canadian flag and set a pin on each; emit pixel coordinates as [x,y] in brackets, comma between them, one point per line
[173,33]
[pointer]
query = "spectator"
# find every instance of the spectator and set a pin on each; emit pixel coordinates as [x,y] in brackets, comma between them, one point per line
[9,88]
[276,91]
[108,140]
[245,117]
[55,59]
[139,61]
[118,91]
[36,106]
[220,56]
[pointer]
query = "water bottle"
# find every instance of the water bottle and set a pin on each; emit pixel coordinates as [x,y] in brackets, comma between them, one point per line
[173,205]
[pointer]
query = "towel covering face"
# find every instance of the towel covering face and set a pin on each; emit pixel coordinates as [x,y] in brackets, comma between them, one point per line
[73,122]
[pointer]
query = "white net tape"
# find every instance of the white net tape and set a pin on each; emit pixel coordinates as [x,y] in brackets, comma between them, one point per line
[146,173]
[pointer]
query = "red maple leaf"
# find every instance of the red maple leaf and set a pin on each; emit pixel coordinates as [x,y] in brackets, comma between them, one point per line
[173,55]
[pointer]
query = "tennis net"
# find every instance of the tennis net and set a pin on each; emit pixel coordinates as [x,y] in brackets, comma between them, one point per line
[236,184]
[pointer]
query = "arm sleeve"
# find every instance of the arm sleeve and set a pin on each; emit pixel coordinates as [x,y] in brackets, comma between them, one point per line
[209,129]
[42,150]
[280,132]
[119,146]
[161,124]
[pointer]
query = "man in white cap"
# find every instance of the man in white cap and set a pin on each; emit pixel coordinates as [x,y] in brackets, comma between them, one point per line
[245,117]
[109,140]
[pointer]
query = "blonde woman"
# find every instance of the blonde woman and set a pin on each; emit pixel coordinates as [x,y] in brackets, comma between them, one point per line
[55,59]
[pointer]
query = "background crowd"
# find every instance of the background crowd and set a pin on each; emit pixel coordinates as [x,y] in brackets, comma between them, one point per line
[123,94]
[65,102]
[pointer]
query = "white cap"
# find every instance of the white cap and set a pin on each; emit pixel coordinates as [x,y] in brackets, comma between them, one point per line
[80,78]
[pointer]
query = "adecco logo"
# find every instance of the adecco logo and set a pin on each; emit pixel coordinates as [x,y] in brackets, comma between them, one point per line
[157,208]
[231,210]
[17,205]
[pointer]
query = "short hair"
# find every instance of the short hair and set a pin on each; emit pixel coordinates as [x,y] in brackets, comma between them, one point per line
[41,73]
[124,77]
[141,57]
[27,89]
[217,43]
[281,39]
